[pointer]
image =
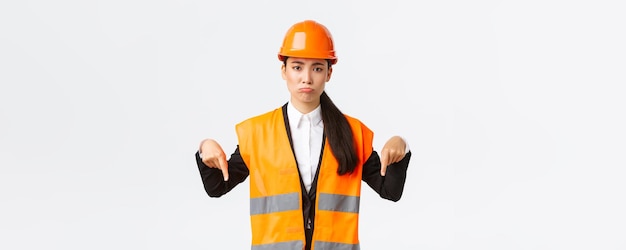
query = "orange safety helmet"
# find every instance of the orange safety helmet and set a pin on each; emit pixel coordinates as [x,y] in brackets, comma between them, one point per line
[308,39]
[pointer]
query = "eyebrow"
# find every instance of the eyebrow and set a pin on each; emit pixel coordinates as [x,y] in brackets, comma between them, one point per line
[314,64]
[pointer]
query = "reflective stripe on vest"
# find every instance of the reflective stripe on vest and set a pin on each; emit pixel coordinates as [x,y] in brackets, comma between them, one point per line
[290,245]
[275,203]
[339,203]
[321,245]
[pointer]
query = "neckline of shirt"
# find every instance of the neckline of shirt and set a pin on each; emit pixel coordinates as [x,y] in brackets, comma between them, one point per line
[296,117]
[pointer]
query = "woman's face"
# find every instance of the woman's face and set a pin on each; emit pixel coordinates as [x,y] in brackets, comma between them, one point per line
[306,79]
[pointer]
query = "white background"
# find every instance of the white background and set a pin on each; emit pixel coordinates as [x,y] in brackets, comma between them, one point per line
[514,110]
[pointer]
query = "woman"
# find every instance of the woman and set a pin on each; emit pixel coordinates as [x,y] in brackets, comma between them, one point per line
[306,159]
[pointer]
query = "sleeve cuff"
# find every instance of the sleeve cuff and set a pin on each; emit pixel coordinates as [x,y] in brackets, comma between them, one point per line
[407,148]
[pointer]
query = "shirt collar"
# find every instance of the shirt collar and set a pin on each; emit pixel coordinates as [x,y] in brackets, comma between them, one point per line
[295,117]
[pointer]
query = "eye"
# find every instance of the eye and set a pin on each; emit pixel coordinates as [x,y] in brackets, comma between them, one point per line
[296,67]
[318,69]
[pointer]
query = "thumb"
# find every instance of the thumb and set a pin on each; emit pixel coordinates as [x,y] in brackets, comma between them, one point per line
[224,167]
[383,163]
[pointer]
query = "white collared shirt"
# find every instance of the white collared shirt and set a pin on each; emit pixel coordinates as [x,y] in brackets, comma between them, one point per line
[306,135]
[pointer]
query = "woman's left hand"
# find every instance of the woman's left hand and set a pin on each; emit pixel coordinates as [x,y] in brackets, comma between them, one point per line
[393,151]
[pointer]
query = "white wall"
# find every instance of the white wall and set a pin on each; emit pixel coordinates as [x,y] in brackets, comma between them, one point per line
[514,111]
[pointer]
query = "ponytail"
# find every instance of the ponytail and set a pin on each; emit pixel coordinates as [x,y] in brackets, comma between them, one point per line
[339,135]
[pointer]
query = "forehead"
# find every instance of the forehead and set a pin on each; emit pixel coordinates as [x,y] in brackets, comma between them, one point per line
[308,61]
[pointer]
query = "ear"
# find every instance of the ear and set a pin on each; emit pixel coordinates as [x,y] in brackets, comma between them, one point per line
[283,71]
[330,72]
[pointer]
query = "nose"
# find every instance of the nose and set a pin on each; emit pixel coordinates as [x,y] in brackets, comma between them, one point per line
[306,77]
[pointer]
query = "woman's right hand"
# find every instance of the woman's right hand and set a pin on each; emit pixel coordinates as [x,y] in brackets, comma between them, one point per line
[213,156]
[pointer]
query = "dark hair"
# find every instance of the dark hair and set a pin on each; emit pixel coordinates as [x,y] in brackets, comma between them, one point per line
[338,132]
[339,135]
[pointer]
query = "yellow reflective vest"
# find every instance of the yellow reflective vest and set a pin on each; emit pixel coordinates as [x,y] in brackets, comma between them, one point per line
[275,190]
